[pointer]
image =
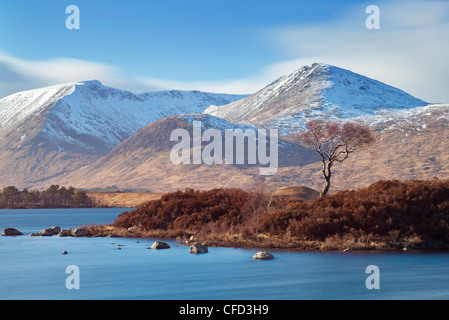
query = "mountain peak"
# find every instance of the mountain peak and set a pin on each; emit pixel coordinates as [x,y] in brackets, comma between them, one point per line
[317,91]
[90,118]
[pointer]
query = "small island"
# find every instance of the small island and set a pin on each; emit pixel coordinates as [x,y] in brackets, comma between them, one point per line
[387,215]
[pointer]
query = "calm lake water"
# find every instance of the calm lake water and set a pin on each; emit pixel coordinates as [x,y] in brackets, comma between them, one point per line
[35,268]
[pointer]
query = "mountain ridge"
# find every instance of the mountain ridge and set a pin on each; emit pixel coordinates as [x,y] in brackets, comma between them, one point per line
[74,135]
[50,131]
[311,92]
[144,160]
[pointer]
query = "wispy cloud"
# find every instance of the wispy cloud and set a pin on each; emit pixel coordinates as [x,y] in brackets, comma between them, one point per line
[410,51]
[20,74]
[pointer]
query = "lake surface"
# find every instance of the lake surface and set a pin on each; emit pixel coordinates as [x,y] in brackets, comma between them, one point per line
[35,268]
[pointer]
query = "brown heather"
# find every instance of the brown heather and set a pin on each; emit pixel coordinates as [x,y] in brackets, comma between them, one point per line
[385,215]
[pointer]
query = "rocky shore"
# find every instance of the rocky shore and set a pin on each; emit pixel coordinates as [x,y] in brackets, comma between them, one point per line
[195,247]
[230,240]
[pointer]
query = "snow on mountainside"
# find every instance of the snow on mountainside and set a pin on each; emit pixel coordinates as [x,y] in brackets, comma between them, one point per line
[49,132]
[18,107]
[417,118]
[89,135]
[318,91]
[145,159]
[93,118]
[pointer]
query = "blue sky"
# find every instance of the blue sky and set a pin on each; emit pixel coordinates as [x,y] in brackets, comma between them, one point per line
[219,46]
[196,39]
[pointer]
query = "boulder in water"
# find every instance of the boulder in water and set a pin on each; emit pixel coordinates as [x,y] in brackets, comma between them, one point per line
[160,245]
[198,248]
[263,255]
[49,232]
[11,232]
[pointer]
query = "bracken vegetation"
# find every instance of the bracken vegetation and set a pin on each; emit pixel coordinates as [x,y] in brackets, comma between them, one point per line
[385,215]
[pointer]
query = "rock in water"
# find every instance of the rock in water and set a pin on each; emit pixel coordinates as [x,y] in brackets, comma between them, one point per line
[49,232]
[160,245]
[263,255]
[65,233]
[11,232]
[80,233]
[198,248]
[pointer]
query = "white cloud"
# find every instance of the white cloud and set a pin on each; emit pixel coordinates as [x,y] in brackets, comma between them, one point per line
[410,51]
[20,74]
[246,85]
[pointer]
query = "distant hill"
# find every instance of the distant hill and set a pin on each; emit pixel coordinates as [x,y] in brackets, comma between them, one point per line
[122,199]
[299,192]
[143,161]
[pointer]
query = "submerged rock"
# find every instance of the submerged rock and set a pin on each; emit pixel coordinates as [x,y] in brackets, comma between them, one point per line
[198,248]
[160,245]
[263,255]
[11,232]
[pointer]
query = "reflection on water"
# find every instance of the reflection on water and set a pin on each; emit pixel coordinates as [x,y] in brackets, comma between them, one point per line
[35,268]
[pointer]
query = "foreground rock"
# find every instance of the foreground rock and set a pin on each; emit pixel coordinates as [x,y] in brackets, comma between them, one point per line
[65,233]
[49,232]
[160,245]
[263,255]
[11,232]
[80,233]
[198,248]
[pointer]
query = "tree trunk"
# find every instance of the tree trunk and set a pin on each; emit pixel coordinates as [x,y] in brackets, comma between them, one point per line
[327,177]
[326,187]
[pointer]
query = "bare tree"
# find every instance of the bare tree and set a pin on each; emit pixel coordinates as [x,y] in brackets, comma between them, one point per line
[334,142]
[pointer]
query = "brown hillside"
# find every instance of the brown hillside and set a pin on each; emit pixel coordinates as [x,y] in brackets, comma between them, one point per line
[410,145]
[122,199]
[299,192]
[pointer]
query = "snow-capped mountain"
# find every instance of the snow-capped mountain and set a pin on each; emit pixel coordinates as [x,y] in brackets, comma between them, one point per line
[52,131]
[88,135]
[317,91]
[93,118]
[411,144]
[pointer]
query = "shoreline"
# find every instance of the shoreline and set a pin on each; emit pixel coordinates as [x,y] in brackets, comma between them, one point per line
[271,244]
[258,242]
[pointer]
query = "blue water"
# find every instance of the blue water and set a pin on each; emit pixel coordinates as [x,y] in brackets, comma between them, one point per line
[35,268]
